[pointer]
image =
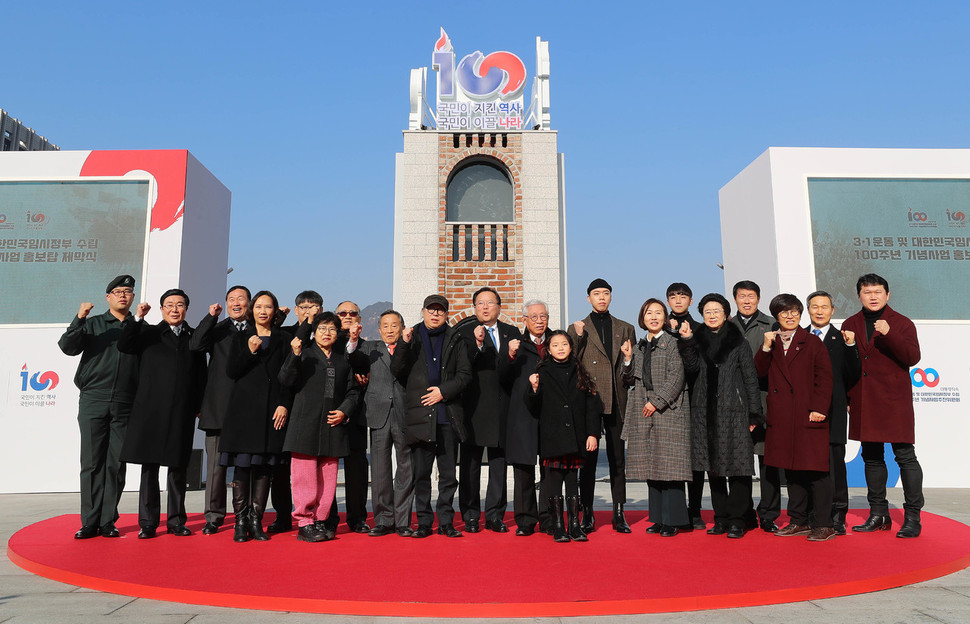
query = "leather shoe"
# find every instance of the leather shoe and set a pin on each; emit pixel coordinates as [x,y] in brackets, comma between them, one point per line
[109,530]
[668,531]
[361,527]
[309,533]
[381,530]
[322,526]
[472,526]
[717,529]
[210,528]
[146,534]
[87,533]
[874,523]
[181,531]
[654,528]
[821,534]
[525,531]
[449,530]
[588,525]
[910,528]
[404,531]
[735,532]
[619,520]
[279,526]
[422,532]
[698,523]
[769,526]
[839,528]
[792,530]
[496,525]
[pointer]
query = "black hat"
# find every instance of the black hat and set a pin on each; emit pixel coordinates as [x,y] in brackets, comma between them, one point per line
[599,282]
[122,280]
[431,300]
[174,291]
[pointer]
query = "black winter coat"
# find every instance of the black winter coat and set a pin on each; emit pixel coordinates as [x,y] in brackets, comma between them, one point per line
[522,437]
[215,337]
[486,399]
[567,415]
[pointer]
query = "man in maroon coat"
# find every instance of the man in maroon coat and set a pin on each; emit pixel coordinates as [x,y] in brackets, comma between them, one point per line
[881,404]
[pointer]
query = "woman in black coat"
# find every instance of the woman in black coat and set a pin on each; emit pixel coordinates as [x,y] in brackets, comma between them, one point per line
[563,397]
[725,408]
[255,426]
[325,397]
[171,381]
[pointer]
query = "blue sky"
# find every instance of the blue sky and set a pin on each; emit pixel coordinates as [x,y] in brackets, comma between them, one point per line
[298,108]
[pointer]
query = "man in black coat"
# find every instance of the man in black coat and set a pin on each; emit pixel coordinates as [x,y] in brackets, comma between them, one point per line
[215,338]
[431,360]
[486,403]
[107,379]
[846,370]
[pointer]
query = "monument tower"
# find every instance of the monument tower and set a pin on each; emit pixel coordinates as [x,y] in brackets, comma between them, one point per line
[479,196]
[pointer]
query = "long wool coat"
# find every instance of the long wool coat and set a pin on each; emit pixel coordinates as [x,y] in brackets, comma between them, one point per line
[720,439]
[606,372]
[881,403]
[799,382]
[658,446]
[522,441]
[486,398]
[171,381]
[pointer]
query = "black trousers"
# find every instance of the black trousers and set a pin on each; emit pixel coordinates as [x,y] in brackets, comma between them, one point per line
[215,481]
[668,503]
[102,425]
[524,504]
[840,485]
[149,497]
[470,479]
[444,450]
[616,457]
[769,507]
[910,473]
[695,493]
[730,506]
[805,486]
[355,490]
[281,494]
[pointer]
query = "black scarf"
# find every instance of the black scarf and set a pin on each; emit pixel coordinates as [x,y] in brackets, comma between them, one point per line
[434,341]
[646,352]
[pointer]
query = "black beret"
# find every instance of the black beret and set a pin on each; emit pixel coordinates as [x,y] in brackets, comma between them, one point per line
[431,300]
[174,291]
[599,282]
[122,280]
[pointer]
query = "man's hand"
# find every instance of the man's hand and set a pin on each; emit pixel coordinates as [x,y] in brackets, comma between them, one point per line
[816,417]
[85,308]
[362,379]
[406,334]
[579,327]
[848,336]
[215,309]
[335,417]
[514,347]
[627,350]
[479,336]
[433,397]
[142,309]
[297,345]
[354,332]
[882,327]
[685,331]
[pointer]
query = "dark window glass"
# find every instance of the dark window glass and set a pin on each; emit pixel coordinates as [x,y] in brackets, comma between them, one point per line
[480,192]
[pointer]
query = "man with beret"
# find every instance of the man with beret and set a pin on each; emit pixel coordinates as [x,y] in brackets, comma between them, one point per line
[599,351]
[107,379]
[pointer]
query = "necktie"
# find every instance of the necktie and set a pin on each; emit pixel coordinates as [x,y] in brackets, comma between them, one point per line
[390,349]
[817,332]
[240,326]
[177,329]
[491,332]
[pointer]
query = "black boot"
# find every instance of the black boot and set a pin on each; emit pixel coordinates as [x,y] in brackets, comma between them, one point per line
[874,523]
[241,510]
[555,510]
[619,522]
[911,527]
[261,483]
[572,511]
[589,522]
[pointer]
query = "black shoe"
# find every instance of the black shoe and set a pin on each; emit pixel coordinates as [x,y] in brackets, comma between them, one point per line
[496,525]
[735,532]
[279,526]
[240,531]
[360,527]
[769,526]
[381,530]
[588,525]
[668,531]
[87,533]
[449,530]
[839,528]
[210,528]
[525,531]
[309,533]
[654,528]
[751,522]
[328,529]
[874,523]
[910,528]
[109,530]
[404,531]
[146,534]
[558,528]
[180,531]
[698,523]
[717,529]
[619,520]
[422,532]
[472,526]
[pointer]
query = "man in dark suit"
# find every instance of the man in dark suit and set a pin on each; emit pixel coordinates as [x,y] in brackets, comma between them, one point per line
[392,494]
[598,338]
[846,370]
[431,360]
[486,402]
[215,339]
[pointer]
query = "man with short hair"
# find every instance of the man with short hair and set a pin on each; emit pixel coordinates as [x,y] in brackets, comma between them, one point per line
[753,324]
[881,404]
[431,360]
[598,339]
[486,403]
[107,380]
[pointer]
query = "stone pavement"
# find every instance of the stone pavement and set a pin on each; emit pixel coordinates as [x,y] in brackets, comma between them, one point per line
[28,598]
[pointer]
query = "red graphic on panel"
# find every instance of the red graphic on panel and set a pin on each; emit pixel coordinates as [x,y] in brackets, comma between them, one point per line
[167,166]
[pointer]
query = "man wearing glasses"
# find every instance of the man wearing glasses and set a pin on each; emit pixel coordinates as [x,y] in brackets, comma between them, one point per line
[107,380]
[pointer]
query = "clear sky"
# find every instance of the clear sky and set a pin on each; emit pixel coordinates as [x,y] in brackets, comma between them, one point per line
[298,108]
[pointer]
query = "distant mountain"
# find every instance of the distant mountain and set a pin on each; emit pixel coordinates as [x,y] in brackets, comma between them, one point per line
[370,317]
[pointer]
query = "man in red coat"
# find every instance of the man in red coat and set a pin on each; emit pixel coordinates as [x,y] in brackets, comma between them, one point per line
[881,404]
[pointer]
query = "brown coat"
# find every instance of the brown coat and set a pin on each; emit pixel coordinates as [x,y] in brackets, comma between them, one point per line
[881,403]
[799,382]
[606,374]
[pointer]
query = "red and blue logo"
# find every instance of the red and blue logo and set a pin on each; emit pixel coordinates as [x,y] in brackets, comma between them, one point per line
[38,382]
[499,75]
[927,377]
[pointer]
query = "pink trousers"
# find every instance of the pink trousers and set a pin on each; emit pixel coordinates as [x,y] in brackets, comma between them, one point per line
[314,484]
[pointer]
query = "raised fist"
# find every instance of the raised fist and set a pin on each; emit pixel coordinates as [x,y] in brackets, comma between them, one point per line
[297,345]
[769,338]
[254,343]
[579,327]
[406,334]
[685,331]
[215,309]
[86,307]
[627,350]
[514,347]
[534,380]
[355,330]
[143,309]
[882,327]
[849,336]
[480,335]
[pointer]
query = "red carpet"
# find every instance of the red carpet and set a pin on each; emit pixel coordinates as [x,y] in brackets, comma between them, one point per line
[491,574]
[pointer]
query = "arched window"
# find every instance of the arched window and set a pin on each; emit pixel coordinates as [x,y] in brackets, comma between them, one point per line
[480,192]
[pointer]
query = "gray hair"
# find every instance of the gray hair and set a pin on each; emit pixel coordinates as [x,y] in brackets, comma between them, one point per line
[533,302]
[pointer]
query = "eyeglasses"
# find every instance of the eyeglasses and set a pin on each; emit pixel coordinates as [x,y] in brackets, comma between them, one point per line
[535,318]
[174,306]
[307,306]
[789,313]
[326,329]
[122,292]
[434,311]
[346,313]
[713,312]
[486,304]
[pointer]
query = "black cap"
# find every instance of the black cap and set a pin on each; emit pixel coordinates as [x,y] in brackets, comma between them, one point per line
[431,300]
[174,291]
[122,280]
[599,282]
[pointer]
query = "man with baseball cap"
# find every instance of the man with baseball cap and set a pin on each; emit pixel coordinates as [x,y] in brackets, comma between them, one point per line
[107,379]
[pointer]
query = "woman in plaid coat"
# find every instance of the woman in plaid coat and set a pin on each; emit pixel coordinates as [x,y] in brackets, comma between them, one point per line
[657,422]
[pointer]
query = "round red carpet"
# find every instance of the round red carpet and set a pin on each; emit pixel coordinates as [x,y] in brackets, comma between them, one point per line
[489,574]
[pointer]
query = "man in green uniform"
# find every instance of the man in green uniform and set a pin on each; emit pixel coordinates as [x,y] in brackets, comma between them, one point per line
[107,379]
